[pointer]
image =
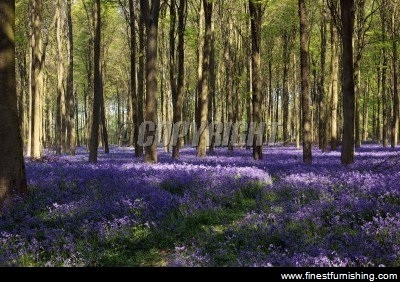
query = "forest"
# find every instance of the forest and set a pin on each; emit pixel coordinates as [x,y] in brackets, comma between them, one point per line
[199,133]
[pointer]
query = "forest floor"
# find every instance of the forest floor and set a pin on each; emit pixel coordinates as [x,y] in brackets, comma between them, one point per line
[222,210]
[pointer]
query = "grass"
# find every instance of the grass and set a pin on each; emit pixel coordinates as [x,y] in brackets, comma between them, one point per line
[153,246]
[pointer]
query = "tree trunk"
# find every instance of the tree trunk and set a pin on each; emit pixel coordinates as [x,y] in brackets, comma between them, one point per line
[365,114]
[211,97]
[305,81]
[285,93]
[347,15]
[71,131]
[173,64]
[200,47]
[139,110]
[61,111]
[256,20]
[103,118]
[296,106]
[203,101]
[94,138]
[37,79]
[151,20]
[323,128]
[178,100]
[229,77]
[133,81]
[249,101]
[12,167]
[395,118]
[334,85]
[385,100]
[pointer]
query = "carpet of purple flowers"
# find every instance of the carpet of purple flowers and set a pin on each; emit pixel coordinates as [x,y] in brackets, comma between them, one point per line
[222,210]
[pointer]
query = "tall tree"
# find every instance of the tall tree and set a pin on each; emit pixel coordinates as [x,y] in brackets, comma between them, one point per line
[394,39]
[322,105]
[177,101]
[141,70]
[71,132]
[347,19]
[333,87]
[151,15]
[37,65]
[133,81]
[94,138]
[61,110]
[203,95]
[256,12]
[305,81]
[287,43]
[12,167]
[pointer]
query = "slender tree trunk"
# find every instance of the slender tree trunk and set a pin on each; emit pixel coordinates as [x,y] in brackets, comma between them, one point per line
[211,97]
[37,79]
[133,81]
[256,20]
[200,47]
[94,138]
[229,77]
[173,62]
[347,15]
[285,93]
[305,81]
[323,128]
[249,101]
[395,118]
[334,85]
[203,101]
[178,100]
[71,131]
[60,119]
[365,114]
[103,119]
[378,96]
[385,102]
[140,92]
[296,107]
[12,167]
[78,138]
[357,90]
[151,20]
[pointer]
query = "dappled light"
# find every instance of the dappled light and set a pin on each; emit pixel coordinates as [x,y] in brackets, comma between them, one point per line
[223,210]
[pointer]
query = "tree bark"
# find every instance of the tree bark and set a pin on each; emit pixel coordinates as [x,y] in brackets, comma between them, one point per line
[37,79]
[178,100]
[285,94]
[323,128]
[141,70]
[151,21]
[61,110]
[334,85]
[133,81]
[305,81]
[385,100]
[71,131]
[200,47]
[211,97]
[12,167]
[94,138]
[255,9]
[203,101]
[395,118]
[228,76]
[347,16]
[296,106]
[103,118]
